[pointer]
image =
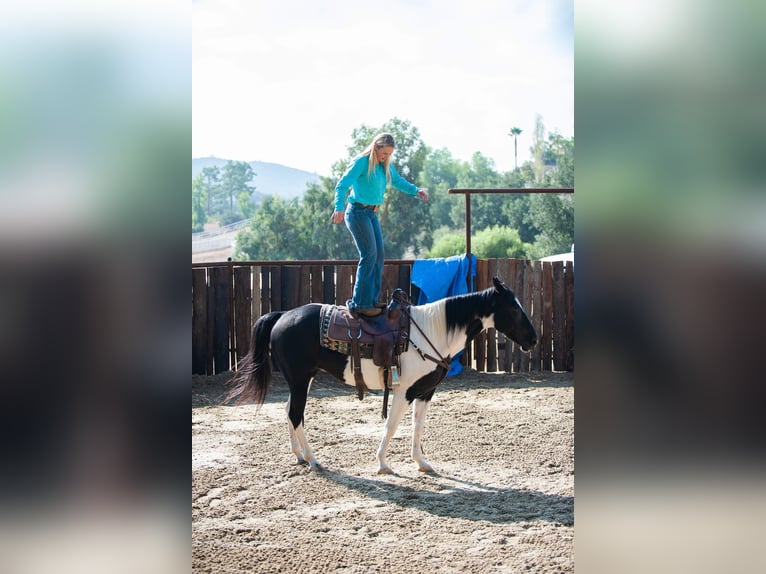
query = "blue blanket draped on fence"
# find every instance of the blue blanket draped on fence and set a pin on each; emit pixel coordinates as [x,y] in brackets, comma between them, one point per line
[440,278]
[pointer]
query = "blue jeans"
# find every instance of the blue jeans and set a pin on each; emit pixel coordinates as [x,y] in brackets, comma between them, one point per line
[364,226]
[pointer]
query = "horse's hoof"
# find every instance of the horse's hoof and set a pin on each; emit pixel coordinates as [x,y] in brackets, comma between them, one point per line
[385,470]
[425,468]
[316,467]
[301,461]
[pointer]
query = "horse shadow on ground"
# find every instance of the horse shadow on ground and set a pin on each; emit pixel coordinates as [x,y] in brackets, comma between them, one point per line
[450,497]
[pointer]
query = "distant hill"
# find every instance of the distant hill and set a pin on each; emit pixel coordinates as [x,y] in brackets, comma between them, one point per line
[270,178]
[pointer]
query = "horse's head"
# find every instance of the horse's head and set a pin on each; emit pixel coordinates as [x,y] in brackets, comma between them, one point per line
[510,317]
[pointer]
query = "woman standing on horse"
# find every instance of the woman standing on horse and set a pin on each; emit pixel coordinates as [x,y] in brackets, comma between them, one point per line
[368,176]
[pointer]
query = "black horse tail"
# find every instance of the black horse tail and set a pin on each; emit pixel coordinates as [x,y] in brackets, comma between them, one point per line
[251,382]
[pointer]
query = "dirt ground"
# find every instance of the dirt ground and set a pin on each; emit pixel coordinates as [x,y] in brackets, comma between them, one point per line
[501,498]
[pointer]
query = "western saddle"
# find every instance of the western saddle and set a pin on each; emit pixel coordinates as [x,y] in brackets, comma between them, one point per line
[382,338]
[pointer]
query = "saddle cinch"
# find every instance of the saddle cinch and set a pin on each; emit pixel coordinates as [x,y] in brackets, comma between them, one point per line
[382,338]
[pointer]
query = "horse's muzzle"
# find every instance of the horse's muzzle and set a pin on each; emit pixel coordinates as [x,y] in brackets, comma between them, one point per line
[530,346]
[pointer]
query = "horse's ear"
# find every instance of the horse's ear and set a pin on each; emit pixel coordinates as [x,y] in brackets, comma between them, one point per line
[499,286]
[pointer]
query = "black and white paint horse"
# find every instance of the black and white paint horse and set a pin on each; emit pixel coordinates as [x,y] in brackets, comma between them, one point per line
[441,328]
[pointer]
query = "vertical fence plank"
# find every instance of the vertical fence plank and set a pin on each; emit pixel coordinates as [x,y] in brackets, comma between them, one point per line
[210,322]
[559,316]
[232,326]
[480,342]
[199,321]
[569,332]
[404,273]
[526,303]
[304,292]
[221,284]
[503,272]
[546,340]
[276,287]
[345,285]
[510,281]
[291,287]
[536,317]
[265,290]
[243,298]
[328,284]
[315,275]
[519,289]
[389,283]
[255,308]
[491,333]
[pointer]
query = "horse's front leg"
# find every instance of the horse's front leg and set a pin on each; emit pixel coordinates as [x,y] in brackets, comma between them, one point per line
[398,405]
[419,409]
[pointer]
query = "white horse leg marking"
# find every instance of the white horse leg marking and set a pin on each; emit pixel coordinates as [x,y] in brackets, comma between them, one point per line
[398,405]
[419,409]
[308,454]
[299,445]
[295,446]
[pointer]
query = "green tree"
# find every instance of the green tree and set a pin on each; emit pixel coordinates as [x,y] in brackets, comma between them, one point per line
[235,180]
[486,209]
[199,200]
[270,235]
[552,215]
[516,206]
[447,245]
[245,205]
[319,237]
[499,241]
[515,132]
[538,150]
[494,241]
[211,178]
[440,174]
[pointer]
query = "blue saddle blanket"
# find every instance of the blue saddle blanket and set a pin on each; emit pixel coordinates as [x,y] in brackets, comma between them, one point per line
[440,278]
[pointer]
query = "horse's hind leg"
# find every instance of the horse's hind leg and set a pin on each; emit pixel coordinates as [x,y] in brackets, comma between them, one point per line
[295,445]
[298,442]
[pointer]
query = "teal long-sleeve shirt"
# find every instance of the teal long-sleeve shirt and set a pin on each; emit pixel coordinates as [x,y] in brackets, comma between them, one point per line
[368,190]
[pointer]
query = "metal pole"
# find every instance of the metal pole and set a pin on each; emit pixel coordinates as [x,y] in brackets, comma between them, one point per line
[468,224]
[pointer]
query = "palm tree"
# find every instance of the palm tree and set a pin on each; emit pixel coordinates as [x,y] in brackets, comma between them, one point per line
[515,132]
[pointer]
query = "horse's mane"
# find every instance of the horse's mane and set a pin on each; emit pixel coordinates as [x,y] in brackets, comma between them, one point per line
[454,315]
[462,310]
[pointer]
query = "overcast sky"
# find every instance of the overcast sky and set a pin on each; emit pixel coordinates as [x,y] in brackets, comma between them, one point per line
[287,82]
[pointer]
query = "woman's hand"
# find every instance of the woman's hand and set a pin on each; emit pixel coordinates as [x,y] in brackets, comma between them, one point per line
[337,217]
[423,194]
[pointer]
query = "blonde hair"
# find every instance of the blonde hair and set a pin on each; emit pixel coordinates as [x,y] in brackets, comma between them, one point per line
[381,140]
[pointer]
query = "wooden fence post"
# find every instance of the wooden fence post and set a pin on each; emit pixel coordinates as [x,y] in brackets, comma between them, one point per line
[243,300]
[199,322]
[222,296]
[569,335]
[537,302]
[546,319]
[559,317]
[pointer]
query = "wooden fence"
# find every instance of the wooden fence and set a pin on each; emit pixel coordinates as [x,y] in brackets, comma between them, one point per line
[227,298]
